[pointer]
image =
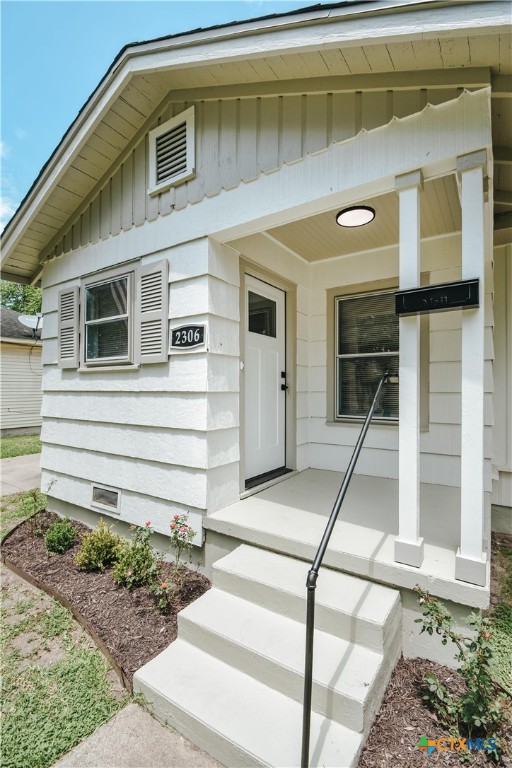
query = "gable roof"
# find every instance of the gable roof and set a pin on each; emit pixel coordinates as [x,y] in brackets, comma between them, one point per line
[372,36]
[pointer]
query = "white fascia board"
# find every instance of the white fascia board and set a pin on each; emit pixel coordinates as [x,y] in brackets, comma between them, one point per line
[240,42]
[348,32]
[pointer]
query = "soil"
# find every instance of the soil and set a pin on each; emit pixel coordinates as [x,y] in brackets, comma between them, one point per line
[134,631]
[128,622]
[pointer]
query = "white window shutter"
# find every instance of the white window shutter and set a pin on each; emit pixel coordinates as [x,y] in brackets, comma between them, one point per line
[153,312]
[68,328]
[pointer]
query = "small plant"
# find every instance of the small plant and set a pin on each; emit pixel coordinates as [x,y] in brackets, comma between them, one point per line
[162,591]
[182,535]
[136,564]
[99,550]
[478,708]
[60,536]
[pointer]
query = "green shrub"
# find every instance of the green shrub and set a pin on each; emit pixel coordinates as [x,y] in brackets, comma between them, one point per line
[60,536]
[478,709]
[99,550]
[137,563]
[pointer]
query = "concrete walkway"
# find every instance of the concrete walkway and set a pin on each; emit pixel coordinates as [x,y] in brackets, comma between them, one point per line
[132,738]
[22,473]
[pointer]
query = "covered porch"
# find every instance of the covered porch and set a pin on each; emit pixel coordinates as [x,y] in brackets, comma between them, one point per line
[290,517]
[418,512]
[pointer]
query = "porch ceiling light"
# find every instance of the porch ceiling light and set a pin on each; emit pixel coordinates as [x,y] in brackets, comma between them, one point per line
[356,216]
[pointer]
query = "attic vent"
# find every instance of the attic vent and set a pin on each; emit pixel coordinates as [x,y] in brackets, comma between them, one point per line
[171,152]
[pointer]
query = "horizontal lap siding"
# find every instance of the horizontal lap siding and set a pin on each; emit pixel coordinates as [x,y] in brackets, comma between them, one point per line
[160,434]
[332,444]
[237,140]
[20,384]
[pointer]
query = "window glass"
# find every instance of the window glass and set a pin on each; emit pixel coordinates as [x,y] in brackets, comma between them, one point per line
[107,339]
[105,497]
[262,315]
[107,300]
[107,321]
[367,347]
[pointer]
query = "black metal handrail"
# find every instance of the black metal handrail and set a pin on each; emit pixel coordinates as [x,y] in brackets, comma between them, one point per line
[313,574]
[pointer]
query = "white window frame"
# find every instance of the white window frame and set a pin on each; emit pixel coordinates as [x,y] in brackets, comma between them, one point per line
[100,279]
[347,417]
[187,117]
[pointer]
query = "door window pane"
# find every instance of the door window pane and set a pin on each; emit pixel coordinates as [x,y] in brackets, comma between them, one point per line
[262,315]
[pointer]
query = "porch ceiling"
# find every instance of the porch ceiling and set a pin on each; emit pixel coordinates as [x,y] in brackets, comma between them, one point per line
[319,237]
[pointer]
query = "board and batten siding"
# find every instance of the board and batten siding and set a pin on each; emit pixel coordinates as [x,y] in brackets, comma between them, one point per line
[237,140]
[20,384]
[164,434]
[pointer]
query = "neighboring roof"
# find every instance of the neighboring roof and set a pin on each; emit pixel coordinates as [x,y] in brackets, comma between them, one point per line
[10,326]
[144,74]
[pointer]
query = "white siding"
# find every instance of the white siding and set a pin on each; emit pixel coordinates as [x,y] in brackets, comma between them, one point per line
[331,443]
[161,432]
[20,385]
[237,140]
[502,486]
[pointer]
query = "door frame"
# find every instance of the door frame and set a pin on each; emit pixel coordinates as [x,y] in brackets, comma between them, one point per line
[260,273]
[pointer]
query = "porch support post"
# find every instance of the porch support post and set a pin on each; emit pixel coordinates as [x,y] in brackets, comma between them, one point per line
[470,562]
[408,544]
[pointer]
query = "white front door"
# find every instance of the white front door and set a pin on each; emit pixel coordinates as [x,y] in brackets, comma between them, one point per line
[265,393]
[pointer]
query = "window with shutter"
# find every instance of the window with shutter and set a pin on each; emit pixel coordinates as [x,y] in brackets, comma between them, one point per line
[366,347]
[107,319]
[172,152]
[123,318]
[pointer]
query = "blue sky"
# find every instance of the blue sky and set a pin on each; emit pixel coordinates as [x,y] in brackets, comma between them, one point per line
[54,52]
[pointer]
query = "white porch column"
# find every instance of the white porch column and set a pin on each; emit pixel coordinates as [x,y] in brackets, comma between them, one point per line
[408,544]
[470,563]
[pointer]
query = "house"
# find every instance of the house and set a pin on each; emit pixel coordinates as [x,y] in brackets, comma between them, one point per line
[215,331]
[20,376]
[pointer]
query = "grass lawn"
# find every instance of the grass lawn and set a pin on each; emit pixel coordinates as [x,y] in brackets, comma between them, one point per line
[19,445]
[57,688]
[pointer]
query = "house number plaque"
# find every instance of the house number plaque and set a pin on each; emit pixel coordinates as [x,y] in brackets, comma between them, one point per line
[437,298]
[187,336]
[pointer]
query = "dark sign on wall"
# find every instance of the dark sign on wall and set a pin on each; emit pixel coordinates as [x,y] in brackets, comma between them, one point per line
[187,336]
[437,298]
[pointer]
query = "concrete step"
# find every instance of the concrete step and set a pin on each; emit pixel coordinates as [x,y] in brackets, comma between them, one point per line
[234,716]
[349,679]
[349,607]
[233,681]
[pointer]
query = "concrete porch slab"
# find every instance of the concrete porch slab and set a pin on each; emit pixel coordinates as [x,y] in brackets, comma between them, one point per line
[290,517]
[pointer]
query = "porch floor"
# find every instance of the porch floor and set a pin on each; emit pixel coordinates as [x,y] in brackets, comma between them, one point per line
[290,517]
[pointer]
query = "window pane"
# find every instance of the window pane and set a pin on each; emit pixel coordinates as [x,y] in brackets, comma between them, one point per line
[358,378]
[106,497]
[107,299]
[367,324]
[107,340]
[262,315]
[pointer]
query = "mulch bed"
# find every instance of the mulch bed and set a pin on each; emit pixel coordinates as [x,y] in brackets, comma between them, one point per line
[132,629]
[127,622]
[404,718]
